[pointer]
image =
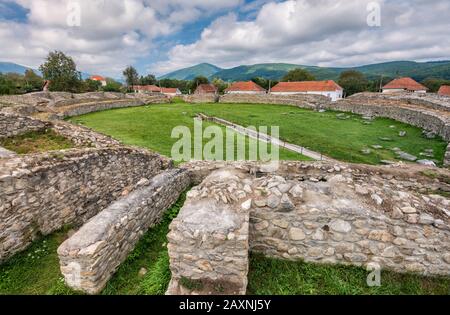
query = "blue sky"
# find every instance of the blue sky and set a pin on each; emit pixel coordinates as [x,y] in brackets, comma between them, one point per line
[159,36]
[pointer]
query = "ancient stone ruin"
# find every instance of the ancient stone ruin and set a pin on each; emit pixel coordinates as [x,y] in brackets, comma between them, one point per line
[394,217]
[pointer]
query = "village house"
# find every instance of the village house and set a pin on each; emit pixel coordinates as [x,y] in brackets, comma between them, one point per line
[444,90]
[404,85]
[206,89]
[249,87]
[98,78]
[328,88]
[172,92]
[146,89]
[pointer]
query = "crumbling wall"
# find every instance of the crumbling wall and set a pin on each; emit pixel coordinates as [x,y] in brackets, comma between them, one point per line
[42,193]
[301,100]
[92,255]
[13,125]
[391,217]
[208,242]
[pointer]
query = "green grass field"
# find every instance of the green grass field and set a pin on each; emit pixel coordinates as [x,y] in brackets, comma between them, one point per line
[36,142]
[151,127]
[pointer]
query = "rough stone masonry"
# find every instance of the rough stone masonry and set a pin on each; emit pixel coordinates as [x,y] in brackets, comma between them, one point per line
[92,255]
[390,217]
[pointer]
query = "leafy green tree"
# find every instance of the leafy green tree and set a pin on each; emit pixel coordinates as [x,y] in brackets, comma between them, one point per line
[435,84]
[91,85]
[6,85]
[220,85]
[32,82]
[353,82]
[112,86]
[196,82]
[148,80]
[131,76]
[298,75]
[264,83]
[62,72]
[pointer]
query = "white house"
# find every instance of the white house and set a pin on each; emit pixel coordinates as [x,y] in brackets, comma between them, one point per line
[404,85]
[98,78]
[329,89]
[172,92]
[249,87]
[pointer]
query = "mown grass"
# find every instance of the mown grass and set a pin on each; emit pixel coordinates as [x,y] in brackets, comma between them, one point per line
[280,277]
[36,270]
[36,142]
[151,127]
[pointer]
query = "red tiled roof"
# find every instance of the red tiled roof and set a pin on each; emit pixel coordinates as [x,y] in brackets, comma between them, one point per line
[405,84]
[97,78]
[249,86]
[169,90]
[444,90]
[307,86]
[148,88]
[206,88]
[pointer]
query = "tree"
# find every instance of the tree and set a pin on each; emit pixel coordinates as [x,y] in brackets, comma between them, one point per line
[6,85]
[131,76]
[435,84]
[148,80]
[197,81]
[298,75]
[91,85]
[264,83]
[353,82]
[33,82]
[220,85]
[112,86]
[62,72]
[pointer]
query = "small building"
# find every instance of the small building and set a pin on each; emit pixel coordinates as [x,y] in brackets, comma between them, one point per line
[328,88]
[146,89]
[172,92]
[404,85]
[444,90]
[206,89]
[249,87]
[100,79]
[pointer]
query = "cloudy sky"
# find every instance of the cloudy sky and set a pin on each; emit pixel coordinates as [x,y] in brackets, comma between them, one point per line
[159,36]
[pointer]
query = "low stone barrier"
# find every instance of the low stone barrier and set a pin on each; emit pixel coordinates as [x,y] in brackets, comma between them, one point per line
[301,100]
[13,125]
[42,193]
[208,242]
[92,255]
[82,136]
[198,98]
[85,108]
[383,217]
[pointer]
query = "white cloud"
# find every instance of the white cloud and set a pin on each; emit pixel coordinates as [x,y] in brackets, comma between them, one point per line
[321,32]
[112,34]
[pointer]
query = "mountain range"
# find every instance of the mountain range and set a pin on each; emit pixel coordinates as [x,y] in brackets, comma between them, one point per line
[275,71]
[9,67]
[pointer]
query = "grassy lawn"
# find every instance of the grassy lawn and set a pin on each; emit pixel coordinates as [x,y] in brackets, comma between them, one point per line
[36,142]
[279,277]
[151,127]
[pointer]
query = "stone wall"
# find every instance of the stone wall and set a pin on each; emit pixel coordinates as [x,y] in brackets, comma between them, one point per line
[430,120]
[200,98]
[42,193]
[83,136]
[208,242]
[389,217]
[92,255]
[301,100]
[85,108]
[13,125]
